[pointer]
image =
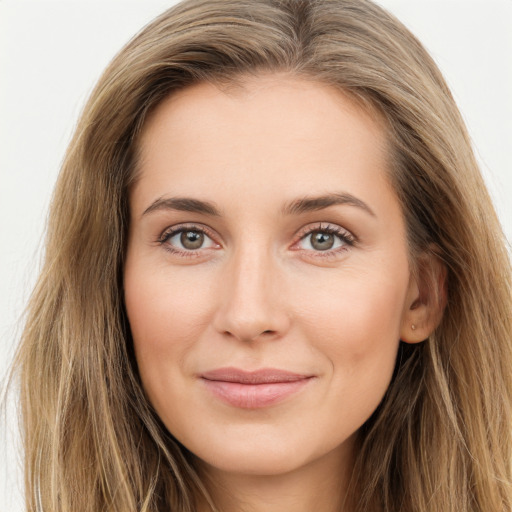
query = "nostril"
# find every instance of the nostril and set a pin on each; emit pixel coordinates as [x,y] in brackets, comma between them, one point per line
[247,337]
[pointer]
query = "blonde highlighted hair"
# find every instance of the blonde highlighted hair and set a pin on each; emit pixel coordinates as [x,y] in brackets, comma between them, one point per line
[442,438]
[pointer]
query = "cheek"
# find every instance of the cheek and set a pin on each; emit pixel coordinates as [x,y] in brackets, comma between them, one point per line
[356,325]
[360,337]
[356,311]
[165,315]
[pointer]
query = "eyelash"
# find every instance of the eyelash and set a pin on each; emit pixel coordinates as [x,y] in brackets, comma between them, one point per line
[176,230]
[347,239]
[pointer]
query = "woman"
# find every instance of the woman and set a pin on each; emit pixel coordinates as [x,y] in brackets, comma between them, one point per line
[273,279]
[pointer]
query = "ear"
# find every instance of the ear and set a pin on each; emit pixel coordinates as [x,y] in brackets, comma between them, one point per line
[425,298]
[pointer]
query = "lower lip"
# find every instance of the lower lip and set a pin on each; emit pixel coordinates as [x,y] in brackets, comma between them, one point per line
[254,396]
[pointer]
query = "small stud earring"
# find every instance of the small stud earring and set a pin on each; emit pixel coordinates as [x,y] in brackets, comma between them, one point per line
[413,327]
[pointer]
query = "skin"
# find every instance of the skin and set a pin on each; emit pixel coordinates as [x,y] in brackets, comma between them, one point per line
[258,293]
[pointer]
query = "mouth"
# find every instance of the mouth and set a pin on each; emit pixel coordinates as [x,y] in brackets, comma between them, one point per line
[255,389]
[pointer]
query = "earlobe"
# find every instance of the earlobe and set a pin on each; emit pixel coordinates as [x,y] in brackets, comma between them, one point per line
[413,334]
[426,299]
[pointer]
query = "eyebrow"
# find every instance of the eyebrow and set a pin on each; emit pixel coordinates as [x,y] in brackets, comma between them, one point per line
[309,204]
[296,207]
[183,204]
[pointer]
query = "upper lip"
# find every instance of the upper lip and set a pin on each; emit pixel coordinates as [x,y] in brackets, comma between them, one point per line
[262,376]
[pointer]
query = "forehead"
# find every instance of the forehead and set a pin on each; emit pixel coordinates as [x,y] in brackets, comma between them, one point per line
[267,134]
[257,99]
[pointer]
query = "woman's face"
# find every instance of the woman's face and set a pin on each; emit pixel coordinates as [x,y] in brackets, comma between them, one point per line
[267,280]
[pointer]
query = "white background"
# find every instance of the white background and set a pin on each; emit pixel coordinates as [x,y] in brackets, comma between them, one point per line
[51,54]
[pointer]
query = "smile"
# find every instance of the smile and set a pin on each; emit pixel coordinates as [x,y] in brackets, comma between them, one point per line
[253,390]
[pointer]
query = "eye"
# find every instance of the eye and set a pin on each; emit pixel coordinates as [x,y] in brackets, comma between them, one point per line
[325,238]
[321,241]
[186,239]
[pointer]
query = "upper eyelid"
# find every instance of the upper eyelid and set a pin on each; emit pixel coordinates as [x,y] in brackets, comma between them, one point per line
[324,226]
[177,228]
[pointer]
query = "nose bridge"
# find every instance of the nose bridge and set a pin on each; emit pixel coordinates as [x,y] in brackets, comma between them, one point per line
[250,305]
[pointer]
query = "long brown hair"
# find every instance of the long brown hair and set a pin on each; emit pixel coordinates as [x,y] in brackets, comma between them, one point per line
[442,438]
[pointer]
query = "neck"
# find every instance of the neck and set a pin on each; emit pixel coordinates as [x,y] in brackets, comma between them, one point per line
[320,485]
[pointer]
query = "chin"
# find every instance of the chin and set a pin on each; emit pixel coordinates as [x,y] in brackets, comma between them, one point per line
[266,453]
[253,461]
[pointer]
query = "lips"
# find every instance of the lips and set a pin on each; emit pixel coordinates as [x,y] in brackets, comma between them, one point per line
[256,389]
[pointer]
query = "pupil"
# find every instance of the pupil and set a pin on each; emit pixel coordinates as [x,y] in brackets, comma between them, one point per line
[192,239]
[322,241]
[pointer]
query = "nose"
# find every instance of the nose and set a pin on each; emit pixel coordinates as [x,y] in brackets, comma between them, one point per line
[251,304]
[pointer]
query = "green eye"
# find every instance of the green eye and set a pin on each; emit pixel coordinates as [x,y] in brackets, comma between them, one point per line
[191,240]
[322,241]
[187,240]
